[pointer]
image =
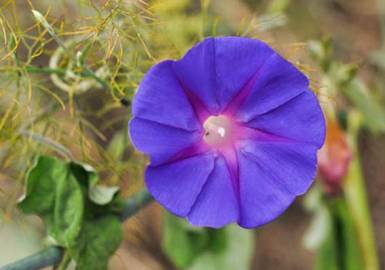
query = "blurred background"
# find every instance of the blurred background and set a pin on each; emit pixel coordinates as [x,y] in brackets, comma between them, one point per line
[76,105]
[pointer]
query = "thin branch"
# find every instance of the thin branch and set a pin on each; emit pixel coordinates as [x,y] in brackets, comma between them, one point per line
[53,255]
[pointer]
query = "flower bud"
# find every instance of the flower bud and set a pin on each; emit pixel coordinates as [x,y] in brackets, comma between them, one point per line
[334,158]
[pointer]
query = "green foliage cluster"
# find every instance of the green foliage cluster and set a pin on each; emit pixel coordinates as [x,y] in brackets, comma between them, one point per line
[333,233]
[196,248]
[340,80]
[342,231]
[85,224]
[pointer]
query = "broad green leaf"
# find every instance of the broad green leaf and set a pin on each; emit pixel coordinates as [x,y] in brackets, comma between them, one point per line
[39,185]
[236,254]
[79,214]
[54,194]
[182,242]
[196,248]
[68,211]
[98,241]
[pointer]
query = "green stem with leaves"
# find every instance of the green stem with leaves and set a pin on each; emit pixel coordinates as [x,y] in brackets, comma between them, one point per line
[357,199]
[54,255]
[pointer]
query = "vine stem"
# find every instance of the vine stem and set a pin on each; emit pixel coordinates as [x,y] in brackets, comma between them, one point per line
[53,255]
[357,199]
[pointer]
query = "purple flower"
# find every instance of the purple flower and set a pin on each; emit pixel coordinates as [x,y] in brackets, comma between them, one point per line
[232,131]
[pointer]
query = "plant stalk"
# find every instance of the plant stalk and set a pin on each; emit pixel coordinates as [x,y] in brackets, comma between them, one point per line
[53,255]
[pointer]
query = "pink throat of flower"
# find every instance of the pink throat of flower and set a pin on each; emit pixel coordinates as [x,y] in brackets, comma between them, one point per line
[220,131]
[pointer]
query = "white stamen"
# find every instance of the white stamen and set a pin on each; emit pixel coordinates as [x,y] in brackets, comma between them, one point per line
[218,130]
[221,132]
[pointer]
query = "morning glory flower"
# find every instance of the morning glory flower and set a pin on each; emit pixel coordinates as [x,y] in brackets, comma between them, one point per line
[232,130]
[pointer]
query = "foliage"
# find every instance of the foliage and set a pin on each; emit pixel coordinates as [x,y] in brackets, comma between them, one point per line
[332,233]
[203,248]
[341,80]
[88,226]
[347,240]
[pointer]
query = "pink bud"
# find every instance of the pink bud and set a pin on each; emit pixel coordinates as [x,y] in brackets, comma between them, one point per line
[334,158]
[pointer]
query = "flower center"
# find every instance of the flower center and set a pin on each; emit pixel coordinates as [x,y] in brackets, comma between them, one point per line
[219,131]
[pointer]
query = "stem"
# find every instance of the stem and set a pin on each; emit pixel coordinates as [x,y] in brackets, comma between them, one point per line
[135,203]
[86,73]
[358,202]
[38,260]
[47,70]
[65,261]
[53,255]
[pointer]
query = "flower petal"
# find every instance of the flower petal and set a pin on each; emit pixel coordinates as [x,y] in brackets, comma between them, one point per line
[177,185]
[216,69]
[196,72]
[161,99]
[289,166]
[216,205]
[299,119]
[278,81]
[237,60]
[261,200]
[159,141]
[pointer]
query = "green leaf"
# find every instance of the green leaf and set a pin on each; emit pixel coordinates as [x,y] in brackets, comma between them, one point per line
[178,233]
[79,215]
[98,240]
[54,194]
[197,248]
[340,250]
[327,254]
[68,211]
[236,253]
[353,256]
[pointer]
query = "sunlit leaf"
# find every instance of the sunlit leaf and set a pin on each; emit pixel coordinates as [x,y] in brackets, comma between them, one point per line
[79,214]
[97,242]
[54,194]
